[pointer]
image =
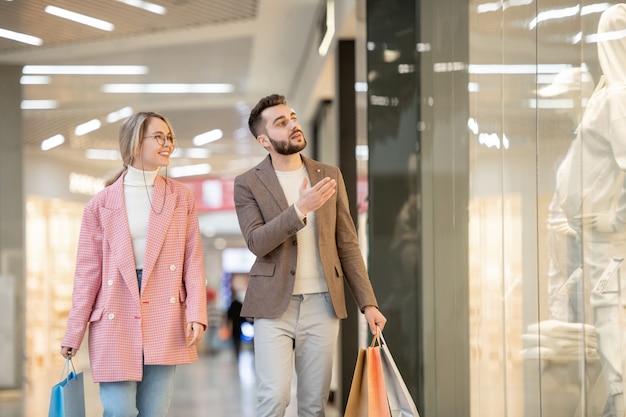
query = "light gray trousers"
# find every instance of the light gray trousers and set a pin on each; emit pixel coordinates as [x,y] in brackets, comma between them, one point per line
[305,336]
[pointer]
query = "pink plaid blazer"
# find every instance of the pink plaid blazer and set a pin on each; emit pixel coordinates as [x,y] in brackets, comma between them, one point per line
[126,328]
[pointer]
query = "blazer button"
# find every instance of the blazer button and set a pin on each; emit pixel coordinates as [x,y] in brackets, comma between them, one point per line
[173,300]
[110,282]
[172,268]
[111,316]
[292,272]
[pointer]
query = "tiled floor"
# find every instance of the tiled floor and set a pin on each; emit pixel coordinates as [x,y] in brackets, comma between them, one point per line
[215,385]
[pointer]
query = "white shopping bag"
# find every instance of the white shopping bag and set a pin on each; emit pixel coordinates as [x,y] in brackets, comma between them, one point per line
[400,400]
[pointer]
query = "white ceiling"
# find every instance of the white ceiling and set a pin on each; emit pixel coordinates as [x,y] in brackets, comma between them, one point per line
[259,46]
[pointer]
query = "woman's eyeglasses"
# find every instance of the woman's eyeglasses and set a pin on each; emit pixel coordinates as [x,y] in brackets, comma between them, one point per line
[162,139]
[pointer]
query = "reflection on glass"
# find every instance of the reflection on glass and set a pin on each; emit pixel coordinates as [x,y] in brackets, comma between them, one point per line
[564,345]
[539,337]
[563,241]
[592,191]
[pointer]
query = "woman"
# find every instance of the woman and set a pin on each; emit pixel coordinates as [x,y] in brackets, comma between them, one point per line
[139,280]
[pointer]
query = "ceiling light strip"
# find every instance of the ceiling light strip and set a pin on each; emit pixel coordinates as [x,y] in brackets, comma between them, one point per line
[80,18]
[150,7]
[208,137]
[39,104]
[87,127]
[168,88]
[190,170]
[20,37]
[35,79]
[85,69]
[120,114]
[52,142]
[330,28]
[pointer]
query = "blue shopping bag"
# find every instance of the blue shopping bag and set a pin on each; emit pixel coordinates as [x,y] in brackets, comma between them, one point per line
[67,398]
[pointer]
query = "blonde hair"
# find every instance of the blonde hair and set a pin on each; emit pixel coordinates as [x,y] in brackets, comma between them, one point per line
[131,139]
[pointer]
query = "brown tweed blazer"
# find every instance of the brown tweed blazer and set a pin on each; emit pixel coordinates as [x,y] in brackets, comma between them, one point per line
[269,226]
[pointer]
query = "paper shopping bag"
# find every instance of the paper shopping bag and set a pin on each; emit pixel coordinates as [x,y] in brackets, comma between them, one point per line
[400,400]
[367,397]
[357,398]
[67,398]
[377,405]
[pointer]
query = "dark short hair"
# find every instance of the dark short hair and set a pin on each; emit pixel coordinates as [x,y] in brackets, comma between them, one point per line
[255,121]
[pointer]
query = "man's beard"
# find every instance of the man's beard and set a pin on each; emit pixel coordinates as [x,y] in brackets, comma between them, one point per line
[288,148]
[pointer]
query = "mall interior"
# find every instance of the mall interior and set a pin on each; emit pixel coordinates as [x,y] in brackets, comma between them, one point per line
[467,131]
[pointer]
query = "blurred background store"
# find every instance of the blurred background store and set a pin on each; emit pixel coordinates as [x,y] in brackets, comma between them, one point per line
[438,114]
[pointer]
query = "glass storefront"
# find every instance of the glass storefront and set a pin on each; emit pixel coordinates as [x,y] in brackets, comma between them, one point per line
[393,183]
[540,153]
[52,229]
[496,202]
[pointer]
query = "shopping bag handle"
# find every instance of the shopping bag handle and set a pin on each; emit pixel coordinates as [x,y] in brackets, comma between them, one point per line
[376,340]
[379,333]
[66,369]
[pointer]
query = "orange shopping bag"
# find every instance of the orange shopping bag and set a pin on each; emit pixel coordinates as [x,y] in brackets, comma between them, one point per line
[368,396]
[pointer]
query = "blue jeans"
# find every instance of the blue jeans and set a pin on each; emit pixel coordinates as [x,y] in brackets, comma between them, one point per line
[148,398]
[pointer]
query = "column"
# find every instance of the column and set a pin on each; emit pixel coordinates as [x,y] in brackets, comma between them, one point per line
[346,128]
[12,259]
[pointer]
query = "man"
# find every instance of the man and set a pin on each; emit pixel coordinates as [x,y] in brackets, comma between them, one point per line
[293,212]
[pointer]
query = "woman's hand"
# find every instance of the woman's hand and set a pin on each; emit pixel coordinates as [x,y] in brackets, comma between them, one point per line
[198,330]
[68,351]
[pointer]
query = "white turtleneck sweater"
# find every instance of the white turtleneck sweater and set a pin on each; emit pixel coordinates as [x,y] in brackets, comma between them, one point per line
[309,269]
[138,188]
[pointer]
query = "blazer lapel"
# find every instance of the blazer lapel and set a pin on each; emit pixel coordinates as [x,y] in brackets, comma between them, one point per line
[266,174]
[158,225]
[117,233]
[314,169]
[316,174]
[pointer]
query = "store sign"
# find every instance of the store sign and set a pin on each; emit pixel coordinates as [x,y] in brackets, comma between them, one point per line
[217,194]
[362,191]
[213,194]
[85,184]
